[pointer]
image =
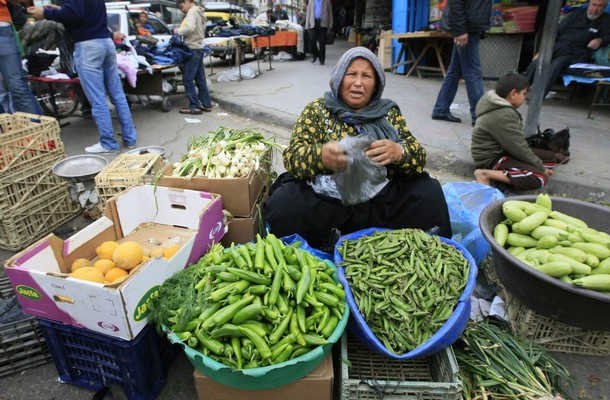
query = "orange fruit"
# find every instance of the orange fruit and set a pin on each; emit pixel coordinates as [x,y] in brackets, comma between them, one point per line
[170,251]
[127,255]
[104,265]
[106,249]
[89,274]
[116,275]
[78,263]
[157,252]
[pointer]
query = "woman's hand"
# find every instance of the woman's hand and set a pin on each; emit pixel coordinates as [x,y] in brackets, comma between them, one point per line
[36,12]
[333,157]
[384,152]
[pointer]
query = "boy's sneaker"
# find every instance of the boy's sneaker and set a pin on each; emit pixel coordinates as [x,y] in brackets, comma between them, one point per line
[99,149]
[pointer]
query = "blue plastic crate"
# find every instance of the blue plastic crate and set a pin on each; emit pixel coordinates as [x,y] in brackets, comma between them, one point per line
[92,360]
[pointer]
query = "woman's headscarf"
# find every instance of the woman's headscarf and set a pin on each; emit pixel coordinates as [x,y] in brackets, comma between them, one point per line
[372,118]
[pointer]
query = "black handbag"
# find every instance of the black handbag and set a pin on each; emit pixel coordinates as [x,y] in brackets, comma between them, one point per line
[549,139]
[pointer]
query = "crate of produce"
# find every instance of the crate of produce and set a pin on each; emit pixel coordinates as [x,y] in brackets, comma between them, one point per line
[125,171]
[366,374]
[28,140]
[6,289]
[22,345]
[25,223]
[554,335]
[93,360]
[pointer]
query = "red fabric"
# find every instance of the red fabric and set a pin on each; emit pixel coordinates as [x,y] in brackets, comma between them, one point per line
[280,39]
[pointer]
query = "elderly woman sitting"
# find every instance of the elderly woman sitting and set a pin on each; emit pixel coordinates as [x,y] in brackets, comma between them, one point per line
[332,184]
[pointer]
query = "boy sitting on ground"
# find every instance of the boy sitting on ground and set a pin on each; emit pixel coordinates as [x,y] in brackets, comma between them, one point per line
[499,149]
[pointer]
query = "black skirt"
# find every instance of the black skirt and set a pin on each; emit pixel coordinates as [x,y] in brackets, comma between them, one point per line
[414,202]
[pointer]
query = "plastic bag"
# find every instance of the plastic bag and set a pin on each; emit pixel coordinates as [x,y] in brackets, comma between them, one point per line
[234,74]
[295,237]
[549,139]
[363,178]
[466,201]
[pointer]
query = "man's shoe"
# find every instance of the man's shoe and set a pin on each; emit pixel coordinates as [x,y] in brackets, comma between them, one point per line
[99,149]
[448,118]
[321,62]
[130,146]
[314,60]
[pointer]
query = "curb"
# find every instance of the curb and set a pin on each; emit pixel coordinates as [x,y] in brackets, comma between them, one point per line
[438,159]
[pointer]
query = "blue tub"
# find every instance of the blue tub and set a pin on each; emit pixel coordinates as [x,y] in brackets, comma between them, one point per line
[449,332]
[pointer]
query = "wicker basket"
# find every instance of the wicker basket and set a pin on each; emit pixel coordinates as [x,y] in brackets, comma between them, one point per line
[28,140]
[552,334]
[125,171]
[368,375]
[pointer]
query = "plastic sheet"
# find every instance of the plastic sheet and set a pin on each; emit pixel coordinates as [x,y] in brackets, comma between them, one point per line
[466,201]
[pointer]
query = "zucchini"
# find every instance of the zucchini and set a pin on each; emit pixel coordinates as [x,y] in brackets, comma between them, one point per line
[577,267]
[598,250]
[568,219]
[500,234]
[556,269]
[572,252]
[518,239]
[543,230]
[544,200]
[533,221]
[513,213]
[594,282]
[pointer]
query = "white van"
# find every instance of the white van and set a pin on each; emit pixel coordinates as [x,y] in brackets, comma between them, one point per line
[122,16]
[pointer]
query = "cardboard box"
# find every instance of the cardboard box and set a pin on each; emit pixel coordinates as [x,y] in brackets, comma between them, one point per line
[317,385]
[143,214]
[244,230]
[238,194]
[385,53]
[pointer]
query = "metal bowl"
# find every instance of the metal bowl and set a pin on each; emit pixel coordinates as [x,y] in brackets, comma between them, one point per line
[546,295]
[79,167]
[148,149]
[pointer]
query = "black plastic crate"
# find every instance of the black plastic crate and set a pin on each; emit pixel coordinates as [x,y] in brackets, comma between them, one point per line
[92,360]
[22,345]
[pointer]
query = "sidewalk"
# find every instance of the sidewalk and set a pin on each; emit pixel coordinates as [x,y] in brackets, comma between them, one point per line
[278,96]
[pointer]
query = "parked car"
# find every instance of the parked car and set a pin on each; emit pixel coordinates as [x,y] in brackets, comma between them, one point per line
[122,16]
[220,14]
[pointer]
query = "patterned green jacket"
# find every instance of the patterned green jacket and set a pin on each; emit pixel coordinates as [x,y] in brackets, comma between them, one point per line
[316,126]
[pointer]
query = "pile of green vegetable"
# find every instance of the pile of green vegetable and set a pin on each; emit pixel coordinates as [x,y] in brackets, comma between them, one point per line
[554,243]
[225,153]
[406,284]
[252,305]
[493,364]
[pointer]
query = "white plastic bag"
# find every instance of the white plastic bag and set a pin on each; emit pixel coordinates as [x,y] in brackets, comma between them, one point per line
[233,74]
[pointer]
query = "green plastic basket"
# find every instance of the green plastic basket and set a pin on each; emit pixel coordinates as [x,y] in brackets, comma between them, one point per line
[268,377]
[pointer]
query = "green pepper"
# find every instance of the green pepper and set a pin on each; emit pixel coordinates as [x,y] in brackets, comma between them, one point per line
[251,276]
[237,258]
[236,346]
[248,312]
[259,342]
[245,253]
[275,336]
[295,330]
[303,284]
[330,326]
